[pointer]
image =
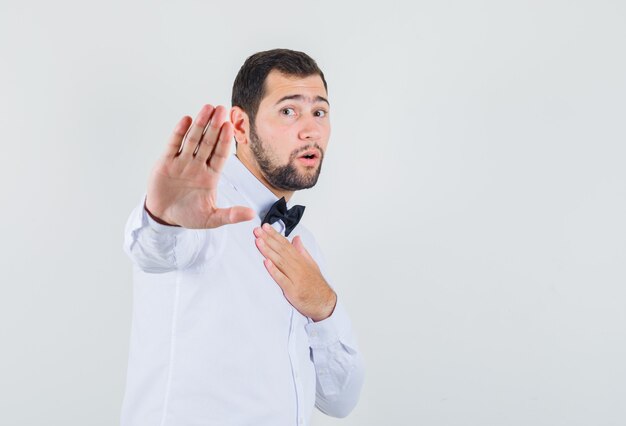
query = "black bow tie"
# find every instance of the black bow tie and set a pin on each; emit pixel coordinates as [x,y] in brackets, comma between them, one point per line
[289,217]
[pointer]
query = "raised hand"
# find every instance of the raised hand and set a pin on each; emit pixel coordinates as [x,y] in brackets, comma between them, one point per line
[183,184]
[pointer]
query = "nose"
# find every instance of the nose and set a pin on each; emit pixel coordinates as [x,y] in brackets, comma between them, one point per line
[310,129]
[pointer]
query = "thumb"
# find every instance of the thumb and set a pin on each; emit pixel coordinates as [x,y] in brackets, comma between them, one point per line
[297,243]
[236,214]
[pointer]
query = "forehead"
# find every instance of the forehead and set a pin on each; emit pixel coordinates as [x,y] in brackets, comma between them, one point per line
[278,85]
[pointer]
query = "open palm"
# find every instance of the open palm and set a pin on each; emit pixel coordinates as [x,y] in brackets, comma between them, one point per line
[182,189]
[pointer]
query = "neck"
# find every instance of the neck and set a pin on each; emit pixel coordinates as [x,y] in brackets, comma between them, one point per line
[251,164]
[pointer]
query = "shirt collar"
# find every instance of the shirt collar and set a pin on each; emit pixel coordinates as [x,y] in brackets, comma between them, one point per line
[253,190]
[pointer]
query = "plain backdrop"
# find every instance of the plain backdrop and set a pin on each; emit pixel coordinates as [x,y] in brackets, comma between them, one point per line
[471,206]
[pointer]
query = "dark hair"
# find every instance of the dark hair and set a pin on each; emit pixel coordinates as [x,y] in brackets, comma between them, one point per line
[249,85]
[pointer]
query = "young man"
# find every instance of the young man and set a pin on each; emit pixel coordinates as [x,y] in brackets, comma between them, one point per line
[233,321]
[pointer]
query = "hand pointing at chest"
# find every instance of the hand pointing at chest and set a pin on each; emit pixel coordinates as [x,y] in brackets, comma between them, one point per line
[297,274]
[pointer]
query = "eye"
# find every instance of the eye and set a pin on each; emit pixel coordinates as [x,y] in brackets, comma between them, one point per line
[288,112]
[320,113]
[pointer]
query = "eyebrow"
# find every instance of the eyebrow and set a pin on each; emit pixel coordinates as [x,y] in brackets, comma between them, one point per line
[302,98]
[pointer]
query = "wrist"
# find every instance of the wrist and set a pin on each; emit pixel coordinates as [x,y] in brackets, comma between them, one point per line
[327,308]
[156,218]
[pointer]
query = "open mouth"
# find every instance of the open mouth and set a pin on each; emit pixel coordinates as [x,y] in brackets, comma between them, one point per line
[310,154]
[310,157]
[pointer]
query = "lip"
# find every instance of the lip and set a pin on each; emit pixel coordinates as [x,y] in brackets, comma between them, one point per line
[309,161]
[312,152]
[315,154]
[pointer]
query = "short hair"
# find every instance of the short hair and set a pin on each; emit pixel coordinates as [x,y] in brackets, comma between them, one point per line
[249,85]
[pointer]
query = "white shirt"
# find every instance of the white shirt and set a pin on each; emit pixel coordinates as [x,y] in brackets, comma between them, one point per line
[214,341]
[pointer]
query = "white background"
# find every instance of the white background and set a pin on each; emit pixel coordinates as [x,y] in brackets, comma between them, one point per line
[471,207]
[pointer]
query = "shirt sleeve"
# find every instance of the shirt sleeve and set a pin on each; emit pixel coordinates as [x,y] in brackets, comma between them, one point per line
[158,248]
[339,366]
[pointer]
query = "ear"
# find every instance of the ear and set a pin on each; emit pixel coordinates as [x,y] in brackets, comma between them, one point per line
[241,124]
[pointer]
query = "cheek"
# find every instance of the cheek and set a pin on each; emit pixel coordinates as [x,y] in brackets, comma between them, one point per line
[325,133]
[275,131]
[324,140]
[280,142]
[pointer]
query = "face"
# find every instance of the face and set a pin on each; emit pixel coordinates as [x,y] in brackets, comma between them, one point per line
[292,131]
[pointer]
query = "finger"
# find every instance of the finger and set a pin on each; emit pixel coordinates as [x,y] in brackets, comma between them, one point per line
[281,279]
[297,243]
[196,130]
[277,242]
[269,253]
[176,139]
[229,215]
[206,148]
[211,134]
[222,150]
[279,256]
[273,233]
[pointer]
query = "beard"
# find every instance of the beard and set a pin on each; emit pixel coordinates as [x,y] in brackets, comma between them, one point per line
[287,176]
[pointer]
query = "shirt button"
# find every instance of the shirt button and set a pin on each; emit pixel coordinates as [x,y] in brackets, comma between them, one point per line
[301,421]
[314,333]
[295,374]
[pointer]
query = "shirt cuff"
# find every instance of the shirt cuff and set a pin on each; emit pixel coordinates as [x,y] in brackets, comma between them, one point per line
[157,227]
[325,333]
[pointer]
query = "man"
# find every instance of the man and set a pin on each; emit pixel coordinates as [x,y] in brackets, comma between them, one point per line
[233,321]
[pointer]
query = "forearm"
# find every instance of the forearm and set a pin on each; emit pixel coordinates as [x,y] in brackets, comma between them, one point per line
[339,365]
